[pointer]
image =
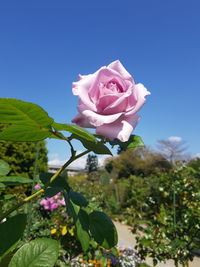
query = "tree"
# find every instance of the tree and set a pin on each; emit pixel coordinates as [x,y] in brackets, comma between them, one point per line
[141,161]
[21,156]
[195,164]
[91,163]
[172,149]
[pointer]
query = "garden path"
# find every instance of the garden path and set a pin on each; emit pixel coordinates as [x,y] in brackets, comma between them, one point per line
[127,239]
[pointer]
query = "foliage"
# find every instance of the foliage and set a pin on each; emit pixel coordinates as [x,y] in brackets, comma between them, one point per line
[195,164]
[163,210]
[27,122]
[168,225]
[21,156]
[133,142]
[140,162]
[91,163]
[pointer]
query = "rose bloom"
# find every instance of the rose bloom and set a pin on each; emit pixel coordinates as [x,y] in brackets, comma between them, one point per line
[108,101]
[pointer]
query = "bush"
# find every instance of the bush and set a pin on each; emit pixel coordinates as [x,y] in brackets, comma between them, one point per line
[168,226]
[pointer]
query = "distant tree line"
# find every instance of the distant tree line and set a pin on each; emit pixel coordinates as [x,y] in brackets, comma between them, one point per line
[21,156]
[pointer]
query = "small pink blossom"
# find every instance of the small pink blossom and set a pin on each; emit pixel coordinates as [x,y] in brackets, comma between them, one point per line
[37,187]
[52,203]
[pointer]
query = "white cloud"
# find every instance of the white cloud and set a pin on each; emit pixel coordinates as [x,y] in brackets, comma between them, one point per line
[55,160]
[80,163]
[101,159]
[197,155]
[175,139]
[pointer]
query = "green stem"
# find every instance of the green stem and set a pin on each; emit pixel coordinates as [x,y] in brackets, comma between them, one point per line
[30,205]
[174,207]
[39,192]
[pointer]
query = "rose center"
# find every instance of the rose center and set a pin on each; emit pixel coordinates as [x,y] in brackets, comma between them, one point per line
[114,86]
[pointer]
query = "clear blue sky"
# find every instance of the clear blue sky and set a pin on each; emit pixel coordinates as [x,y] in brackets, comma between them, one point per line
[45,44]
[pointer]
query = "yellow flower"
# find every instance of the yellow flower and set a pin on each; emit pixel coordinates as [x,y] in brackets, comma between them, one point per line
[53,231]
[64,230]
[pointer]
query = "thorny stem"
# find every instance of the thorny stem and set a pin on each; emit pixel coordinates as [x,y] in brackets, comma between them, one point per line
[39,192]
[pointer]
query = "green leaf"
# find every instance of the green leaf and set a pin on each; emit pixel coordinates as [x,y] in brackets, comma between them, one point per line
[2,185]
[72,209]
[103,230]
[4,167]
[75,129]
[81,220]
[10,232]
[41,252]
[133,142]
[23,113]
[9,196]
[24,133]
[82,225]
[52,191]
[14,180]
[98,148]
[60,181]
[78,199]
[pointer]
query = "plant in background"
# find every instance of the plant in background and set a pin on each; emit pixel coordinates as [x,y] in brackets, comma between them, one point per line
[140,162]
[169,225]
[92,167]
[108,103]
[21,156]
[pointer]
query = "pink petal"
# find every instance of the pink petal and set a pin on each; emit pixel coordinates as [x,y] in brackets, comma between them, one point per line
[141,92]
[82,121]
[103,76]
[119,68]
[121,129]
[105,101]
[81,88]
[121,104]
[98,120]
[37,187]
[53,206]
[43,202]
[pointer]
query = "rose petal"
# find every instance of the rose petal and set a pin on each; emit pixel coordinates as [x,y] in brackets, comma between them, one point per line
[102,77]
[141,92]
[82,121]
[96,119]
[121,129]
[105,101]
[81,88]
[118,67]
[121,104]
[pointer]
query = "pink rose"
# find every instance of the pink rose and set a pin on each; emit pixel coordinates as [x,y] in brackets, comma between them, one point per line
[108,101]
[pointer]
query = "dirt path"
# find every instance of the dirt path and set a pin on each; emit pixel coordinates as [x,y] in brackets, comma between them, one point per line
[126,239]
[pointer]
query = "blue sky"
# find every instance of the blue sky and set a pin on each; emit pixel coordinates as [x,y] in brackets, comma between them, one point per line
[45,44]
